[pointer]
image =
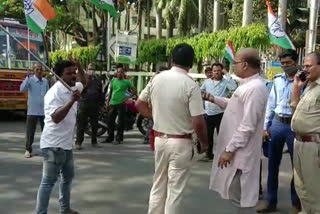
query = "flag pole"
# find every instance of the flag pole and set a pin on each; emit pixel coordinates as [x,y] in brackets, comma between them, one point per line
[108,41]
[29,64]
[39,60]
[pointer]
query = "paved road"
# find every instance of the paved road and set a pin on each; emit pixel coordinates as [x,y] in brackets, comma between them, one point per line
[112,179]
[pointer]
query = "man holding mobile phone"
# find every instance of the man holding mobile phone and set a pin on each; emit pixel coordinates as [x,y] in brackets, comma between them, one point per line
[277,129]
[306,125]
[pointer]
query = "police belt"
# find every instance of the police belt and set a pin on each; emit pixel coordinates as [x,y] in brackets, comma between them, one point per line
[313,138]
[184,136]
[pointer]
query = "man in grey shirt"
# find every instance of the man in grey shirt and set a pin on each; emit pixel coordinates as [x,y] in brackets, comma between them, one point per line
[216,86]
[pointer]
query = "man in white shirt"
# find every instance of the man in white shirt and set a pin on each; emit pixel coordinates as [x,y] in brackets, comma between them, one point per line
[177,111]
[60,107]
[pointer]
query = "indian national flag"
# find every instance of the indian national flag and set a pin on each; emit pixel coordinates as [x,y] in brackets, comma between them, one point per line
[38,12]
[106,5]
[230,52]
[276,33]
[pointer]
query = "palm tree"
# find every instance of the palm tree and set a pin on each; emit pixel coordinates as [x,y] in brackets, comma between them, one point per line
[182,12]
[247,12]
[159,5]
[201,15]
[216,15]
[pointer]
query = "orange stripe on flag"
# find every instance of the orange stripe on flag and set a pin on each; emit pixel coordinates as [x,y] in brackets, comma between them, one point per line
[45,9]
[232,48]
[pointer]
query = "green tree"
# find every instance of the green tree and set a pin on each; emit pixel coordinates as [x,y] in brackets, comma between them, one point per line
[13,9]
[234,10]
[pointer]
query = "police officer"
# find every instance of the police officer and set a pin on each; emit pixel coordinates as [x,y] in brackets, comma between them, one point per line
[306,125]
[277,128]
[177,110]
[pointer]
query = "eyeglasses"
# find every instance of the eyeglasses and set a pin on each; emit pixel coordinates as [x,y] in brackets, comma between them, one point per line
[39,69]
[306,66]
[235,62]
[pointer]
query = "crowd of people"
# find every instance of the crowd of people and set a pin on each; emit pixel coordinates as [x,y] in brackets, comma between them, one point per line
[244,113]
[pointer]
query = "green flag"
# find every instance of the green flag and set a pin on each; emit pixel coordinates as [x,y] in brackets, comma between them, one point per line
[106,5]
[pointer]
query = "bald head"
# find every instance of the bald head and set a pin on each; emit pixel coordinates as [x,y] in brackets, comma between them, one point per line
[251,56]
[247,62]
[37,70]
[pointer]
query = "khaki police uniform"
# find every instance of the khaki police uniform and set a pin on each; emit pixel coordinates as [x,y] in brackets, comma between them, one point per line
[175,98]
[306,125]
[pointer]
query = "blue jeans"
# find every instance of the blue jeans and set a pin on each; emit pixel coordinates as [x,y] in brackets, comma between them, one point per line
[280,133]
[56,162]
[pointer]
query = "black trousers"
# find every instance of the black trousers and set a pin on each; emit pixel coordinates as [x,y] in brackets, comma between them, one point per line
[31,127]
[213,122]
[120,111]
[87,111]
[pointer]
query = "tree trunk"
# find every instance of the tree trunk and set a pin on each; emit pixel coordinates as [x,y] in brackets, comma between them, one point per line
[216,15]
[313,22]
[201,15]
[148,18]
[95,26]
[282,13]
[247,12]
[159,23]
[119,22]
[170,26]
[139,22]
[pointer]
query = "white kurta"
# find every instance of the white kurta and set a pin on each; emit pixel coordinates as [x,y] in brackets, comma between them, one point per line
[241,131]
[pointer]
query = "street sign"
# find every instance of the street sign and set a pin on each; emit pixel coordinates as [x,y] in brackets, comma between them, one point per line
[126,49]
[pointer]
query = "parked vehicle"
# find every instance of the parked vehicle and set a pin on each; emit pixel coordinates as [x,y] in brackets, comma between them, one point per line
[15,63]
[132,117]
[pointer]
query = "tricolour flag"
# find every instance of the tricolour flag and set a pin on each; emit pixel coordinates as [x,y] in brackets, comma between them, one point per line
[106,5]
[38,12]
[276,33]
[230,52]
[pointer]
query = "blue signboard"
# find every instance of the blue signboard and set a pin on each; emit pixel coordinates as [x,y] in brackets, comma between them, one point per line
[126,51]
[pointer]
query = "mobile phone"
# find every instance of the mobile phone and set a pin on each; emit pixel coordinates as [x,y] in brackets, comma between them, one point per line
[302,76]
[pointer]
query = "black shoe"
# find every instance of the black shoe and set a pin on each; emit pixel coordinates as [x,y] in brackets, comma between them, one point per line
[267,208]
[95,145]
[108,140]
[116,142]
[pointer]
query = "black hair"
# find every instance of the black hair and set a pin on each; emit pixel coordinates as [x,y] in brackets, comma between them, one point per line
[252,61]
[217,64]
[119,66]
[207,69]
[60,66]
[316,55]
[289,53]
[183,55]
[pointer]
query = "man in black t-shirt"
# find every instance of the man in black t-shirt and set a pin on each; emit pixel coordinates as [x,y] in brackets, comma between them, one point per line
[92,99]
